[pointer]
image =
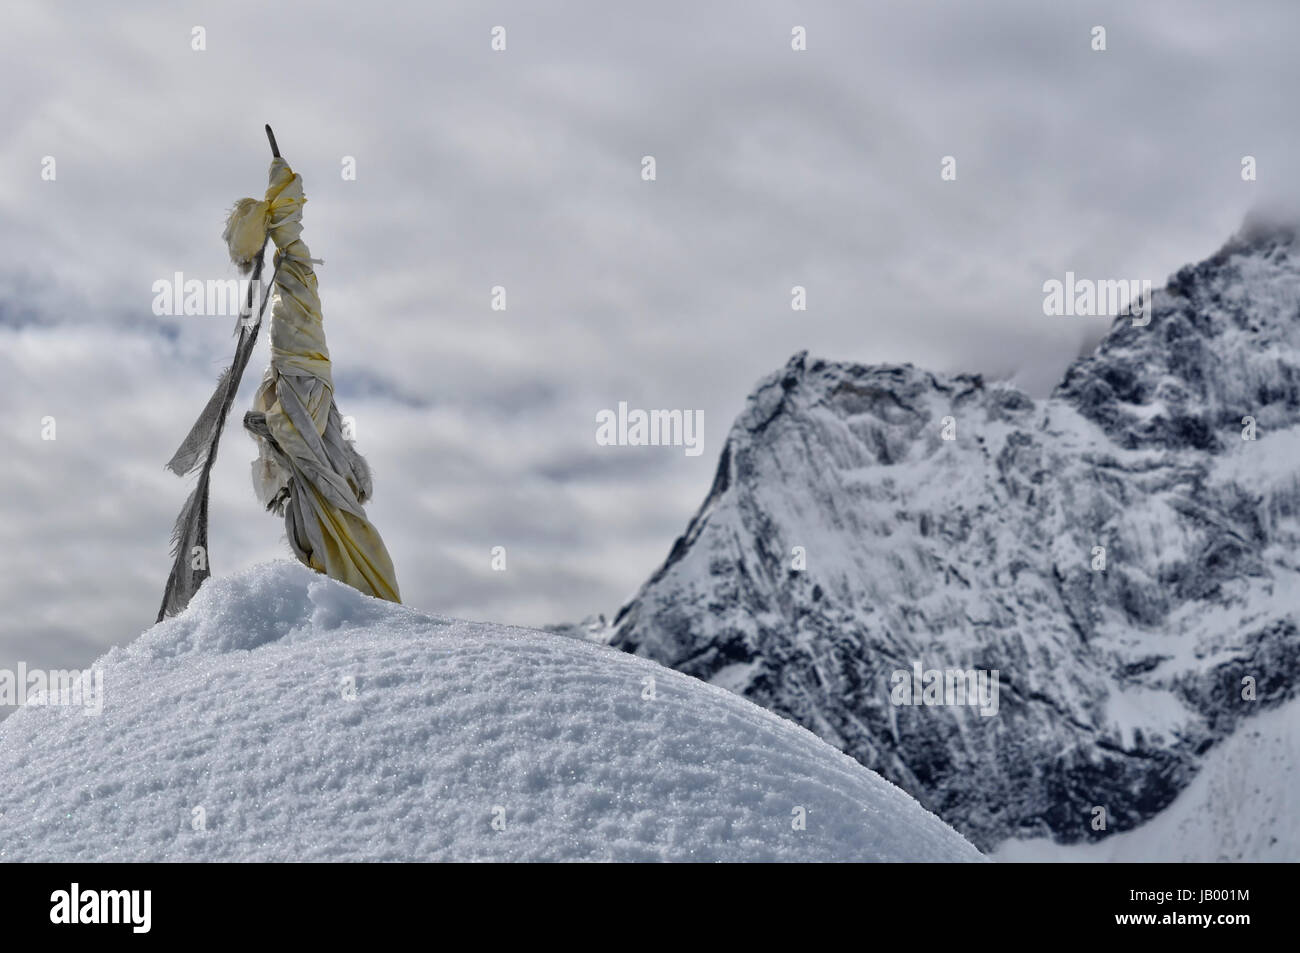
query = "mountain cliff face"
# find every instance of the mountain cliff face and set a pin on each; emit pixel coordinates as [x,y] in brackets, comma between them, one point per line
[1119,554]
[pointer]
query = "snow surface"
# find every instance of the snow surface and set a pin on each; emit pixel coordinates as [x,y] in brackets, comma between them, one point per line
[1243,805]
[235,713]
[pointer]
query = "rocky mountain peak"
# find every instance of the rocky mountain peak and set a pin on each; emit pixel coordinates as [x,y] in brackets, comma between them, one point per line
[1116,558]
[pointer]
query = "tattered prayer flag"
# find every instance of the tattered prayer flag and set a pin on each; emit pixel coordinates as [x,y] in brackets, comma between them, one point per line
[305,470]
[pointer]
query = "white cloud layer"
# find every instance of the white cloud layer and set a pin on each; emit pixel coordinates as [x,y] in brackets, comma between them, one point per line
[522,169]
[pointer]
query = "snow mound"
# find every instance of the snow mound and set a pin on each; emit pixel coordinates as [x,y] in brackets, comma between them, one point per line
[285,716]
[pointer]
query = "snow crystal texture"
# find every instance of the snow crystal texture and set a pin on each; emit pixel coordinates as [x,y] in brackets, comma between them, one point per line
[285,716]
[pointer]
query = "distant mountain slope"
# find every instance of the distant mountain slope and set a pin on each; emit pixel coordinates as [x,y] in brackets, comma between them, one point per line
[1244,804]
[285,716]
[979,552]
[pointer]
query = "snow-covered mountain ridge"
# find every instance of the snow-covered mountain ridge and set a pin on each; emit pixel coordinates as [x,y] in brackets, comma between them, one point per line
[845,539]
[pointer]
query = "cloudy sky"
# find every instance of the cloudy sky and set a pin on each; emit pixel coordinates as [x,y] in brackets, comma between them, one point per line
[522,168]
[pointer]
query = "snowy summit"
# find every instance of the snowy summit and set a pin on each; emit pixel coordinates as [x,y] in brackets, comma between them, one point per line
[1118,560]
[286,716]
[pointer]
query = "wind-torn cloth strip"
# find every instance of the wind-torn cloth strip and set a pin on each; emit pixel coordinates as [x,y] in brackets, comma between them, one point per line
[305,469]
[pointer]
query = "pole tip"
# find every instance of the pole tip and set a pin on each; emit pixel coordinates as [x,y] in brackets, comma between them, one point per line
[270,137]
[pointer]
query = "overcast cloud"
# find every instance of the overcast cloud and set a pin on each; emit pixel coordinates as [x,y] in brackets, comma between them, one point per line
[523,169]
